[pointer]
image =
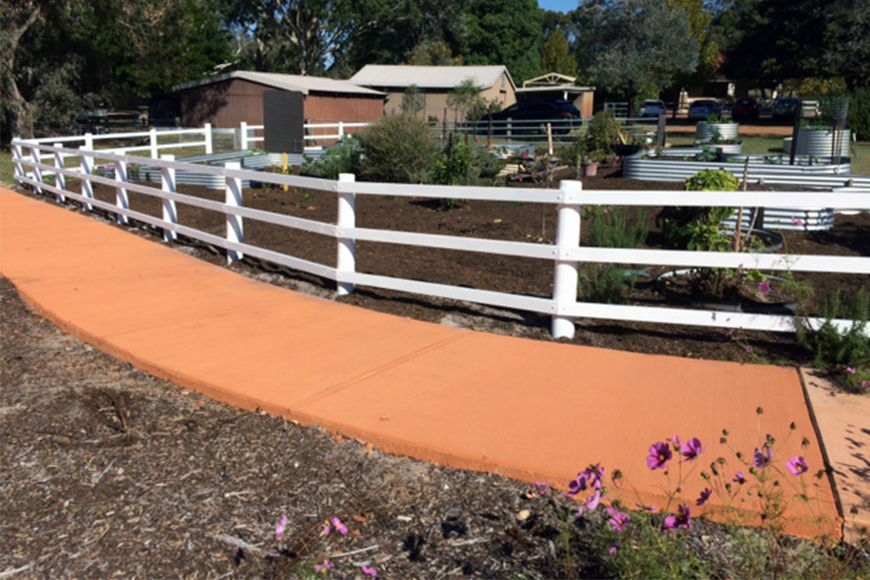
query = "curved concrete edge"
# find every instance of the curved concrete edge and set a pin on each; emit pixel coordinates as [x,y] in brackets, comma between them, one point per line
[703,383]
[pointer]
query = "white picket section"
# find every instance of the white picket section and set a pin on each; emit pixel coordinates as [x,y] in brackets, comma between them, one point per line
[566,254]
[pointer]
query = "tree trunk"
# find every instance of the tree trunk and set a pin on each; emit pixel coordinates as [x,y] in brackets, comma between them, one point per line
[21,112]
[632,93]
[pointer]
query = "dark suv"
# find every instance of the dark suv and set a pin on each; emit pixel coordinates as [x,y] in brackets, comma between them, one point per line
[745,110]
[560,113]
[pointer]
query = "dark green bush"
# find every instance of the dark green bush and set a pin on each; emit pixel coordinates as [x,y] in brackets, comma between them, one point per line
[399,149]
[612,228]
[859,113]
[832,347]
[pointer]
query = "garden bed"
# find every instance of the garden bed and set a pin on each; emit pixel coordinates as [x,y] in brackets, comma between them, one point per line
[497,220]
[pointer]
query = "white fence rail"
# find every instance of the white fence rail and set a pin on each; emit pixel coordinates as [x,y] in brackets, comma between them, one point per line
[566,254]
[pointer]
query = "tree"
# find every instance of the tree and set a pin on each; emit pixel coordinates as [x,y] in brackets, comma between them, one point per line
[465,97]
[630,45]
[504,32]
[434,53]
[556,55]
[413,101]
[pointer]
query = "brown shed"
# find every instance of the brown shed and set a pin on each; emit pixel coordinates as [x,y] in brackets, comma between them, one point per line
[227,100]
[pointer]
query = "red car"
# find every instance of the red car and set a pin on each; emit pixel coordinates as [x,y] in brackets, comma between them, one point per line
[745,110]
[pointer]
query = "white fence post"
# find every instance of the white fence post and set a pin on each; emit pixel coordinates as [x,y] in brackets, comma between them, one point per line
[235,225]
[152,141]
[89,141]
[565,274]
[87,163]
[340,130]
[17,158]
[170,214]
[59,178]
[209,149]
[346,258]
[37,172]
[510,125]
[243,131]
[122,200]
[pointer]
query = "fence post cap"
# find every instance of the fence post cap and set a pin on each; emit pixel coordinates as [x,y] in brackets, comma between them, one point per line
[347,177]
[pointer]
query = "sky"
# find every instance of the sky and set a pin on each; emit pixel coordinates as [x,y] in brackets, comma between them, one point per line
[558,5]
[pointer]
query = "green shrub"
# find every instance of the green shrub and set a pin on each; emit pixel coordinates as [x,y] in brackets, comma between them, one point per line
[341,158]
[464,162]
[605,284]
[835,349]
[859,113]
[697,228]
[612,228]
[398,149]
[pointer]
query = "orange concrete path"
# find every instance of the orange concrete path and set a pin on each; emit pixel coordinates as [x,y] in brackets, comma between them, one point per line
[532,410]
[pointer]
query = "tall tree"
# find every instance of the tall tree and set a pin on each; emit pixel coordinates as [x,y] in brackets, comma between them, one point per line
[629,45]
[504,32]
[556,55]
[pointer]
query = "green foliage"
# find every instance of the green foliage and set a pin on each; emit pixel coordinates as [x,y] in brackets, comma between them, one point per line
[604,132]
[832,347]
[605,284]
[612,228]
[627,45]
[465,162]
[398,149]
[433,53]
[341,158]
[413,101]
[859,113]
[556,55]
[465,97]
[697,228]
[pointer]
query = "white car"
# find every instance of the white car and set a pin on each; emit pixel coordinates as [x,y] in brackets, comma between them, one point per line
[653,109]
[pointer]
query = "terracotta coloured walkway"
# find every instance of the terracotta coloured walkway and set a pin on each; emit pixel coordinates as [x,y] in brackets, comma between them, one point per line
[532,410]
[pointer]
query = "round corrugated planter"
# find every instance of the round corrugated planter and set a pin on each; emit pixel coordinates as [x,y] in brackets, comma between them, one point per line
[705,132]
[733,149]
[820,143]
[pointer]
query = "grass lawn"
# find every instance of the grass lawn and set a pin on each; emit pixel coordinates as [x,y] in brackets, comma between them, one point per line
[758,145]
[7,169]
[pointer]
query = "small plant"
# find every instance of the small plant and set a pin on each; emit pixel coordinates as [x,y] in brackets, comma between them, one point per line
[343,157]
[605,284]
[844,352]
[706,154]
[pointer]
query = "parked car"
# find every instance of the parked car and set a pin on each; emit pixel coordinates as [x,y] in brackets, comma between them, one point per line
[702,109]
[559,112]
[746,109]
[653,108]
[787,110]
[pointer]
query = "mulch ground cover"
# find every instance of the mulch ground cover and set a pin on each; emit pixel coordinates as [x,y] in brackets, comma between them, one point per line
[525,222]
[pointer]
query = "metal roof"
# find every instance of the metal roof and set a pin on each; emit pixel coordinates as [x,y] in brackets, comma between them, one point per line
[428,77]
[303,84]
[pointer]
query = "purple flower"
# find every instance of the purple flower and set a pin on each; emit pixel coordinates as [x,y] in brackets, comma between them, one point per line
[659,455]
[797,466]
[279,529]
[580,483]
[705,496]
[676,442]
[739,478]
[613,549]
[693,449]
[593,501]
[369,571]
[323,568]
[749,349]
[851,370]
[617,520]
[762,457]
[596,476]
[865,385]
[683,519]
[798,222]
[764,287]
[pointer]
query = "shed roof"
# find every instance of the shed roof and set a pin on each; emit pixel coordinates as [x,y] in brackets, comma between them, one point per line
[303,84]
[428,77]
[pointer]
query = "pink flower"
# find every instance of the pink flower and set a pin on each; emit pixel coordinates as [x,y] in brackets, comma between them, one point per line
[798,223]
[704,498]
[693,449]
[749,349]
[659,455]
[618,520]
[797,466]
[593,501]
[279,529]
[764,287]
[323,568]
[543,489]
[340,527]
[614,549]
[676,442]
[369,571]
[865,385]
[851,370]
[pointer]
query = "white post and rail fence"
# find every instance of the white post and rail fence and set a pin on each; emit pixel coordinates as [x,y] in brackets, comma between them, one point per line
[32,163]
